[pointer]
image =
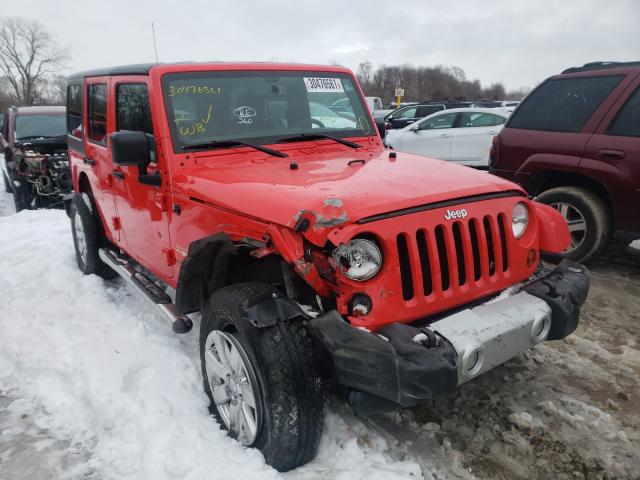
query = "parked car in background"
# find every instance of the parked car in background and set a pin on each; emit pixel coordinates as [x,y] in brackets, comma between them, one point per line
[574,143]
[462,135]
[404,116]
[509,105]
[35,167]
[374,104]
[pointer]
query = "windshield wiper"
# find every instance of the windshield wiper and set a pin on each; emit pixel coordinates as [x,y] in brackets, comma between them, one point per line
[314,136]
[34,137]
[234,143]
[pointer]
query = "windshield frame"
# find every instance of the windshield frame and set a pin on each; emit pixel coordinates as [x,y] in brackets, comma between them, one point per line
[177,145]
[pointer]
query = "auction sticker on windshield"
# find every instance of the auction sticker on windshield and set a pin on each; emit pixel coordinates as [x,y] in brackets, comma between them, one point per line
[323,84]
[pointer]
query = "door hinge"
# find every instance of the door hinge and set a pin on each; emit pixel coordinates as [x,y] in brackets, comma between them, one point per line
[115,221]
[170,256]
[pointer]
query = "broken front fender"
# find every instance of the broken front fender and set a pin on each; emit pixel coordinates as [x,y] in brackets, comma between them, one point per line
[553,230]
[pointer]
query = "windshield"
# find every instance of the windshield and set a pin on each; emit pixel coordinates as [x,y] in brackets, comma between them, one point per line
[262,107]
[33,126]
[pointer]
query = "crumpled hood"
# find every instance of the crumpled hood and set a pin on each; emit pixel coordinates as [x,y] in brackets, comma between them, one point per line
[333,190]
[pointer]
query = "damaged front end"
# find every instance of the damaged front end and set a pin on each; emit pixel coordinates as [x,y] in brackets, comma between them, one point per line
[44,171]
[403,364]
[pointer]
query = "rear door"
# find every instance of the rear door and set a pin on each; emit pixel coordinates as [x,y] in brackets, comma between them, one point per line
[472,139]
[142,208]
[612,156]
[431,137]
[96,153]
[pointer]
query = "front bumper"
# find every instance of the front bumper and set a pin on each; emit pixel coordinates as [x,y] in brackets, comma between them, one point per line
[404,364]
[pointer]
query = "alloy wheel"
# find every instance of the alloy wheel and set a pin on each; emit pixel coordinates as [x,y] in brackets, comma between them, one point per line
[576,222]
[233,386]
[81,241]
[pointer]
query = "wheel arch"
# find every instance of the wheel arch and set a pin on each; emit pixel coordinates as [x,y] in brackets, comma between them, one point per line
[216,261]
[547,179]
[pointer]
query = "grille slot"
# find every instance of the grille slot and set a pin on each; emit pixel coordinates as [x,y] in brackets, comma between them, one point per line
[490,247]
[425,266]
[503,242]
[405,267]
[457,240]
[475,250]
[445,280]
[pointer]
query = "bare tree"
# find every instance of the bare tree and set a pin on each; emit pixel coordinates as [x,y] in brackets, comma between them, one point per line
[28,54]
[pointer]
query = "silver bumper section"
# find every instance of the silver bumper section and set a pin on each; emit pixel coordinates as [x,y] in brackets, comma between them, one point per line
[490,334]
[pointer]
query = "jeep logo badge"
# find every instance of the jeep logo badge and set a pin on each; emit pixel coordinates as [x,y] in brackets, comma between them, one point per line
[462,213]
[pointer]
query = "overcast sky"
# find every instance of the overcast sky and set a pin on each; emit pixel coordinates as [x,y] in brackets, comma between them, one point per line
[515,42]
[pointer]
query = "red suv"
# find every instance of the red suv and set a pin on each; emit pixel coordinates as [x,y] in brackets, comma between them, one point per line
[574,143]
[315,256]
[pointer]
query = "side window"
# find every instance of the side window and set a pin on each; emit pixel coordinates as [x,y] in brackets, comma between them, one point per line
[472,119]
[97,112]
[133,111]
[408,113]
[425,111]
[563,104]
[627,121]
[445,120]
[498,120]
[74,110]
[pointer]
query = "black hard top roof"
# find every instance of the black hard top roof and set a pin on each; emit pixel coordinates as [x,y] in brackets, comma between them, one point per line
[136,69]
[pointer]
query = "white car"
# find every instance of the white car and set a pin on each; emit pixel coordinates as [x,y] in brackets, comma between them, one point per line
[510,106]
[461,135]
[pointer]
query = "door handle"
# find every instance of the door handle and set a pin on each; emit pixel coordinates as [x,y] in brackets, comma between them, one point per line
[491,132]
[119,175]
[610,154]
[444,135]
[89,161]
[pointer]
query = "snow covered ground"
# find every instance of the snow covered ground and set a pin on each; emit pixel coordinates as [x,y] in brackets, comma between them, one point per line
[92,385]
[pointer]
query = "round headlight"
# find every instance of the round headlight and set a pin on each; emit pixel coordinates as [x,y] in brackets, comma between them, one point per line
[359,259]
[519,219]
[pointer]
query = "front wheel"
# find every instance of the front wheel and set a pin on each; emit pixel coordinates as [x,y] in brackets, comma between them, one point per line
[587,216]
[263,383]
[21,195]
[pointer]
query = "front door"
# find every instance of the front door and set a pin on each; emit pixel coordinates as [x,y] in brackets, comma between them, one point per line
[431,137]
[613,156]
[141,208]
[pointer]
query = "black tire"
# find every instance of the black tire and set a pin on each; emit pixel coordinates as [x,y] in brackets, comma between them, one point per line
[290,397]
[21,195]
[7,184]
[597,219]
[89,262]
[7,180]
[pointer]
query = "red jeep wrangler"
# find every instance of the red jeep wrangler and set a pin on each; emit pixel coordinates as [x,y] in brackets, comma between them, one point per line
[316,257]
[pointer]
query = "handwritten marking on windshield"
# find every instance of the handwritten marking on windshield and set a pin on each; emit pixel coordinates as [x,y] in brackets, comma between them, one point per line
[245,114]
[196,128]
[193,90]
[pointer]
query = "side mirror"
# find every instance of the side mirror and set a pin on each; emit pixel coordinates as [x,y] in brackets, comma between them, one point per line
[130,148]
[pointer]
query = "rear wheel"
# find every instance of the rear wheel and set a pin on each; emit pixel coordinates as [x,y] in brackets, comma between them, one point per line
[263,383]
[86,238]
[588,219]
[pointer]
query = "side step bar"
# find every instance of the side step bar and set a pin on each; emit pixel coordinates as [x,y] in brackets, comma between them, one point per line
[147,288]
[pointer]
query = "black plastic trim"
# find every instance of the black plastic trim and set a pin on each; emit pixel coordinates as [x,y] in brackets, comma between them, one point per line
[446,203]
[564,289]
[396,368]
